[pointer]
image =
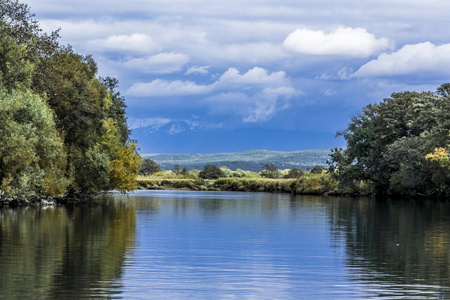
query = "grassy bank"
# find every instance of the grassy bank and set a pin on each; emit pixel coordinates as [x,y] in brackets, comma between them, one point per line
[314,184]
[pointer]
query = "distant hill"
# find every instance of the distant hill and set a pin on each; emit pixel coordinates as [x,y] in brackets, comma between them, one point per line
[163,136]
[252,160]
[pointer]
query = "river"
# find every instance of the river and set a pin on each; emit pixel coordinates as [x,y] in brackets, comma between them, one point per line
[227,245]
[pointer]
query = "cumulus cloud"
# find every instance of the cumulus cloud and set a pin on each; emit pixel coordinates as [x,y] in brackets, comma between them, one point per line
[259,107]
[201,70]
[161,88]
[162,63]
[253,77]
[343,41]
[410,59]
[269,93]
[135,43]
[259,78]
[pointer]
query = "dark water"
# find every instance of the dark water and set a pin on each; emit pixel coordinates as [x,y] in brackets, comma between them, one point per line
[204,245]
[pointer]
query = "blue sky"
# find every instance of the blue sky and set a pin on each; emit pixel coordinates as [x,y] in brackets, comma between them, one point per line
[226,70]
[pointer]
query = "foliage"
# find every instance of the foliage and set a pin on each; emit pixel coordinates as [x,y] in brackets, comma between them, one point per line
[71,125]
[124,168]
[31,163]
[317,169]
[253,160]
[211,172]
[270,171]
[247,174]
[226,171]
[387,144]
[294,173]
[440,155]
[149,167]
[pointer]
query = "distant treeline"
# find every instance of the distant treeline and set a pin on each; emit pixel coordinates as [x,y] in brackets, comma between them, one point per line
[252,160]
[313,181]
[63,130]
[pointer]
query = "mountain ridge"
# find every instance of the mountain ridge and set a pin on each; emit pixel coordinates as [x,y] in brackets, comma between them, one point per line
[251,160]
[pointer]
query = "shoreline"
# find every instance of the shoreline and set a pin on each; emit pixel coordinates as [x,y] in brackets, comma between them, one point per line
[319,185]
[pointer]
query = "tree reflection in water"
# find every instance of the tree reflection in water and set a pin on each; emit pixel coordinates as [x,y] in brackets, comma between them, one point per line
[62,252]
[400,247]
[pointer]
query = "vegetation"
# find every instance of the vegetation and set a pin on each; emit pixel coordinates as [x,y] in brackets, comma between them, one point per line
[397,147]
[244,181]
[149,167]
[253,160]
[270,171]
[211,172]
[62,129]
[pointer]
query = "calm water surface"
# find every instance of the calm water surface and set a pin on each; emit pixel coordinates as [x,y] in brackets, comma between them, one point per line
[220,245]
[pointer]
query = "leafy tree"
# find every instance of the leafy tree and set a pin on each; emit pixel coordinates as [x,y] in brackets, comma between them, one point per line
[32,160]
[88,113]
[270,171]
[294,173]
[149,167]
[117,107]
[226,171]
[387,143]
[317,169]
[184,171]
[211,172]
[177,168]
[124,168]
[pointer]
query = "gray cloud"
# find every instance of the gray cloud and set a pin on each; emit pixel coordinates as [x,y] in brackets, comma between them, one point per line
[161,63]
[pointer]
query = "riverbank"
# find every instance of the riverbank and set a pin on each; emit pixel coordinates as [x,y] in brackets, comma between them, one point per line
[49,201]
[310,184]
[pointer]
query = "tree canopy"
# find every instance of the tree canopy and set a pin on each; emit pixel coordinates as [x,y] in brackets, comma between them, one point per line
[387,144]
[211,172]
[149,167]
[62,129]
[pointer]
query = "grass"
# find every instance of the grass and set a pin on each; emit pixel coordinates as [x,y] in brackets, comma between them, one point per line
[314,184]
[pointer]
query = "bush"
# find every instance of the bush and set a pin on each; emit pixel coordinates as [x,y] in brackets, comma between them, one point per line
[211,172]
[294,173]
[149,167]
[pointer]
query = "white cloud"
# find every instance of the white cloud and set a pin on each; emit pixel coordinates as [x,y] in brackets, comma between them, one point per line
[343,41]
[342,74]
[410,59]
[286,91]
[253,53]
[202,70]
[269,93]
[134,43]
[254,77]
[259,107]
[161,88]
[259,78]
[155,123]
[162,63]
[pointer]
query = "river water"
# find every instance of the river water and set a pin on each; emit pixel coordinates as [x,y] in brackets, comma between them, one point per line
[227,245]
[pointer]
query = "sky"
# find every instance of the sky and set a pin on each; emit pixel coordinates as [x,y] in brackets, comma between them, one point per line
[239,75]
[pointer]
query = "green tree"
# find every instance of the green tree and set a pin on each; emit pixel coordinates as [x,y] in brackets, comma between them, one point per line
[317,169]
[387,143]
[117,107]
[89,113]
[211,172]
[270,171]
[294,173]
[32,160]
[149,167]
